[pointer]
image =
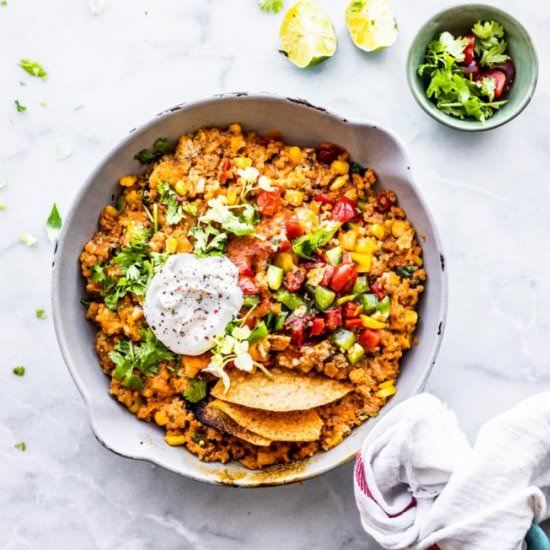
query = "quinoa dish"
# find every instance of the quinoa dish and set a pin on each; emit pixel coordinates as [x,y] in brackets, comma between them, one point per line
[252,298]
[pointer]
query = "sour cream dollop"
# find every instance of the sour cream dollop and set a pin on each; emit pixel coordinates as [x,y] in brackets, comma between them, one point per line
[190,301]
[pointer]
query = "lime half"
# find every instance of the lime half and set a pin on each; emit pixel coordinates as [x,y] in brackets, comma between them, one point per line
[307,35]
[371,24]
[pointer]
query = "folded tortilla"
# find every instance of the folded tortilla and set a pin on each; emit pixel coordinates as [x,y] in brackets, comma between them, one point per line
[275,426]
[283,391]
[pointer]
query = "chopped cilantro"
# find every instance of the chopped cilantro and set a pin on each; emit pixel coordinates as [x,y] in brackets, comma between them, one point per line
[40,314]
[161,147]
[196,391]
[307,245]
[175,207]
[406,271]
[144,357]
[20,108]
[21,446]
[53,224]
[196,437]
[356,168]
[274,6]
[19,371]
[33,68]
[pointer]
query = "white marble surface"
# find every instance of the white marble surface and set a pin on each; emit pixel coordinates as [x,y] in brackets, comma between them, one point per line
[490,194]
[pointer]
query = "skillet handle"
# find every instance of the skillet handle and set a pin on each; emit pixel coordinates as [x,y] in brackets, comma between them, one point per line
[536,539]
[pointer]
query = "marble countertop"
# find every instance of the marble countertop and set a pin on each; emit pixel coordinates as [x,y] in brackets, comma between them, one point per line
[490,195]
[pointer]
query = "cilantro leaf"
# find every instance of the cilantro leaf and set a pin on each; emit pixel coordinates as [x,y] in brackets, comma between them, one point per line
[21,446]
[490,44]
[19,371]
[487,29]
[454,46]
[209,241]
[53,224]
[307,245]
[273,6]
[175,207]
[33,68]
[40,314]
[144,357]
[196,391]
[494,54]
[20,108]
[161,147]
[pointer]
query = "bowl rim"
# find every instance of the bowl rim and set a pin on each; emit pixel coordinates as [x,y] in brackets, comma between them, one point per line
[57,302]
[470,125]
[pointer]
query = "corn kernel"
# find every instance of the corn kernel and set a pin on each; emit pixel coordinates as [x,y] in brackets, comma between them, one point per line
[175,440]
[387,384]
[235,128]
[369,322]
[161,418]
[411,317]
[340,167]
[237,142]
[133,408]
[231,196]
[363,261]
[293,197]
[110,210]
[295,154]
[184,245]
[181,188]
[398,228]
[171,245]
[242,162]
[386,392]
[365,245]
[417,260]
[378,231]
[284,260]
[339,182]
[348,240]
[147,392]
[127,181]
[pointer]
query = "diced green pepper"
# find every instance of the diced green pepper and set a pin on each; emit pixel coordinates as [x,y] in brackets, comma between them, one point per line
[361,285]
[355,353]
[345,299]
[290,300]
[369,303]
[343,338]
[334,255]
[383,306]
[251,300]
[274,277]
[259,333]
[280,321]
[323,297]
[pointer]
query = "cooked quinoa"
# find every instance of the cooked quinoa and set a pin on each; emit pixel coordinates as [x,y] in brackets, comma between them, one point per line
[308,186]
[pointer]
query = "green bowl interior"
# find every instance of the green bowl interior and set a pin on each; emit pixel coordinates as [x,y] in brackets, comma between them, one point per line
[459,20]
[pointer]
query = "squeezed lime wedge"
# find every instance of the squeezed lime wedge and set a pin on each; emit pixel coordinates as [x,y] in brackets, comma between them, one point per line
[371,24]
[307,35]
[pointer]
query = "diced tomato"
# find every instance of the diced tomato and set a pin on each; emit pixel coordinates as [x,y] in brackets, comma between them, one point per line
[226,165]
[294,280]
[296,326]
[353,323]
[344,276]
[370,338]
[248,285]
[248,253]
[383,202]
[269,202]
[376,287]
[499,77]
[325,198]
[329,272]
[294,228]
[334,318]
[284,244]
[345,210]
[318,327]
[351,309]
[469,49]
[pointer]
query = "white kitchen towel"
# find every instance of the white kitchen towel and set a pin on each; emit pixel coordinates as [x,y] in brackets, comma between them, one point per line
[489,496]
[405,462]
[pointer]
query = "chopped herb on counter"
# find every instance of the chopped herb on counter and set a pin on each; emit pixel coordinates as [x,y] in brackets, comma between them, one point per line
[19,371]
[28,239]
[161,147]
[21,446]
[53,224]
[273,6]
[33,68]
[20,108]
[40,314]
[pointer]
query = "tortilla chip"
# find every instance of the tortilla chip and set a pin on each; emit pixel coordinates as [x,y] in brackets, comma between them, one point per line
[276,426]
[286,390]
[216,418]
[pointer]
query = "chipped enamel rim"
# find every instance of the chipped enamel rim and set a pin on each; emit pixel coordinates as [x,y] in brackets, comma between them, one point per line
[110,422]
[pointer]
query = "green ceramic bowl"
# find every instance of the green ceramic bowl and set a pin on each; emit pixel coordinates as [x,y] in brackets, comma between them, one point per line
[459,20]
